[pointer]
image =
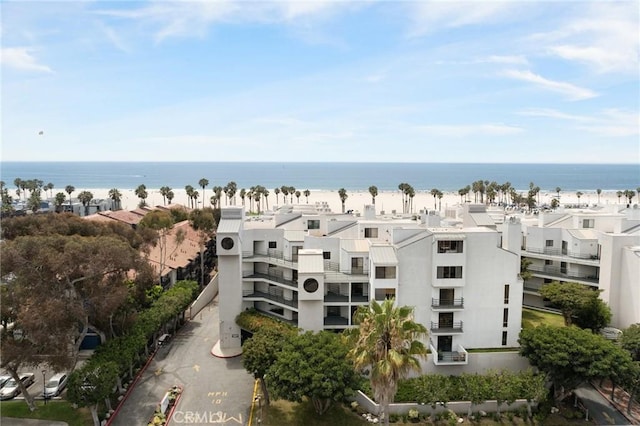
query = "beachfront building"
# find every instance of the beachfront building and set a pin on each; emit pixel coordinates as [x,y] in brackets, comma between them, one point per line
[599,248]
[314,269]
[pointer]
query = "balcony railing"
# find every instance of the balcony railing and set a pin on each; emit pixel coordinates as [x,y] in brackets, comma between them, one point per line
[561,252]
[335,320]
[272,277]
[559,272]
[359,298]
[276,257]
[335,297]
[459,357]
[446,327]
[447,303]
[251,294]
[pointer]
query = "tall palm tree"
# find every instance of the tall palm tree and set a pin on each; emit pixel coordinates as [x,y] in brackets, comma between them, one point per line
[164,190]
[292,192]
[116,196]
[141,192]
[578,194]
[386,342]
[277,192]
[60,197]
[203,183]
[434,192]
[265,195]
[306,194]
[598,191]
[373,190]
[69,189]
[298,194]
[170,195]
[558,189]
[619,194]
[232,189]
[461,193]
[440,195]
[342,193]
[285,193]
[49,187]
[243,193]
[85,198]
[189,190]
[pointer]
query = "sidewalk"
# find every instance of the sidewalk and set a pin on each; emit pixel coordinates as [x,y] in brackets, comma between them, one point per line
[621,401]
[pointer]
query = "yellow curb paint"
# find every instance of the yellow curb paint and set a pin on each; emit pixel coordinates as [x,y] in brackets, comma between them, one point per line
[253,401]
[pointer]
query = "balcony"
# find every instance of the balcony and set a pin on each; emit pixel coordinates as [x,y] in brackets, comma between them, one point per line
[562,253]
[359,298]
[276,278]
[335,297]
[447,304]
[332,320]
[459,357]
[562,273]
[275,257]
[447,327]
[269,297]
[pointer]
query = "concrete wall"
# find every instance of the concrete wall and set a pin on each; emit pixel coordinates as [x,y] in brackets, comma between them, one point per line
[458,407]
[209,292]
[479,363]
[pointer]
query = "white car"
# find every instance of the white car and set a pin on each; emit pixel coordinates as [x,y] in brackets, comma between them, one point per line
[4,379]
[55,385]
[11,388]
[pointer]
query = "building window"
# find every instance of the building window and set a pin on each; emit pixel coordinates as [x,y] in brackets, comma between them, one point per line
[449,271]
[371,232]
[385,293]
[310,285]
[505,317]
[548,280]
[227,243]
[313,224]
[506,293]
[548,262]
[588,223]
[450,246]
[504,338]
[385,272]
[549,243]
[273,244]
[326,255]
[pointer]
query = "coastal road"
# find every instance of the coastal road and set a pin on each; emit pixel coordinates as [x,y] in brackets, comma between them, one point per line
[216,391]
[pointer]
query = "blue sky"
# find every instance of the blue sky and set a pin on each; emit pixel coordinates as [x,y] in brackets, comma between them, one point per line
[516,82]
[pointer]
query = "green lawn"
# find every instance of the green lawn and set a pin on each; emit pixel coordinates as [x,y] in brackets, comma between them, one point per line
[532,318]
[284,413]
[54,410]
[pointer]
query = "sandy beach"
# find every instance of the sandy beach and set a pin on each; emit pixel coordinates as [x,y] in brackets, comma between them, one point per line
[386,201]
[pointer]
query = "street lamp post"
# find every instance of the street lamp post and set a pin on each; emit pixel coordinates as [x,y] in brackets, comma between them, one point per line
[44,386]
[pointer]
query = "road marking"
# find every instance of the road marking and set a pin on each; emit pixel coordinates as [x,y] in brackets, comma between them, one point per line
[158,371]
[253,401]
[196,367]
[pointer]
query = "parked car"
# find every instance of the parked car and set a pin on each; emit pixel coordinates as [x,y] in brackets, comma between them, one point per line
[55,385]
[11,388]
[4,379]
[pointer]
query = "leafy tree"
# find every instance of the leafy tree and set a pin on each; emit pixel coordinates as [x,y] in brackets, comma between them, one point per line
[34,201]
[631,340]
[531,387]
[203,221]
[314,366]
[525,273]
[116,197]
[572,299]
[260,352]
[476,387]
[90,385]
[593,314]
[7,200]
[373,190]
[85,198]
[161,222]
[569,355]
[386,342]
[342,193]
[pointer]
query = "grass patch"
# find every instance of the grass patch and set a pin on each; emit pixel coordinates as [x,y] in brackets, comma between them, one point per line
[54,410]
[532,318]
[285,413]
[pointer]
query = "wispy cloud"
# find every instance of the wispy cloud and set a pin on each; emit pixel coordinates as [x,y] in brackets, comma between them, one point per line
[607,123]
[572,92]
[21,58]
[115,38]
[467,130]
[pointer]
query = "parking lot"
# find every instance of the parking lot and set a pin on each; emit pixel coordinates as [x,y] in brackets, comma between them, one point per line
[37,387]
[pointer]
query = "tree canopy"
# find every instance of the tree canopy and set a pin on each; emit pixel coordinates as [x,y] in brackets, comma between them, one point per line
[578,303]
[631,340]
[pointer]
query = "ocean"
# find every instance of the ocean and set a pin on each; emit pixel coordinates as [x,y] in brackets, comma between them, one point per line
[323,176]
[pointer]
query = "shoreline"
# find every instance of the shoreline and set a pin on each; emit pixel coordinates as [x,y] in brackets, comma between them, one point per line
[387,201]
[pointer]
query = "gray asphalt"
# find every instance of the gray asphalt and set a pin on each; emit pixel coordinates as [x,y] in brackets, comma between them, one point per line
[600,411]
[215,390]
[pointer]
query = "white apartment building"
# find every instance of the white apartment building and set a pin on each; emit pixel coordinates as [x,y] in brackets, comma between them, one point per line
[313,269]
[598,248]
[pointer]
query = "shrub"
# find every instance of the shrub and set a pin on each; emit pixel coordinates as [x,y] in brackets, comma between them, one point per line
[413,414]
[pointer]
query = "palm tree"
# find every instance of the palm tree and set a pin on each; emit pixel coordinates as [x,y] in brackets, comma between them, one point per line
[243,193]
[386,343]
[265,194]
[373,190]
[342,193]
[292,191]
[232,188]
[579,194]
[440,195]
[598,191]
[170,196]
[203,183]
[194,197]
[49,187]
[141,192]
[306,194]
[558,189]
[18,183]
[85,198]
[189,191]
[115,195]
[434,192]
[411,193]
[285,192]
[60,197]
[164,190]
[619,194]
[461,192]
[276,191]
[298,194]
[629,193]
[70,188]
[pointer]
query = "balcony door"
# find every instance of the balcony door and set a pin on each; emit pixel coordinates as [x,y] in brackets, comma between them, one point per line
[446,296]
[445,320]
[445,343]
